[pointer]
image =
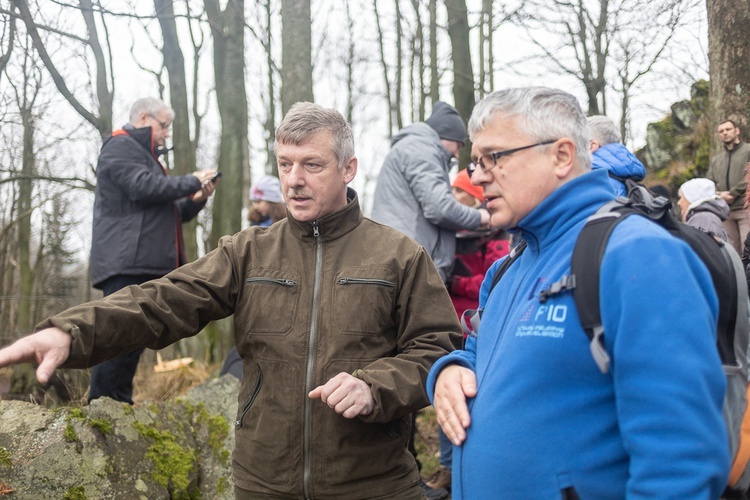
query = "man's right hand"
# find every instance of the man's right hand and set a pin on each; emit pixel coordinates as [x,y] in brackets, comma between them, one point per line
[454,385]
[726,196]
[49,347]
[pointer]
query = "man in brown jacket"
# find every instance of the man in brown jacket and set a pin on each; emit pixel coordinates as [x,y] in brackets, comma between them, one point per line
[337,319]
[727,170]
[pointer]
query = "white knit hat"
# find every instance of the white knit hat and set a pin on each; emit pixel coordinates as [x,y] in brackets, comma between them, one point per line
[267,188]
[698,190]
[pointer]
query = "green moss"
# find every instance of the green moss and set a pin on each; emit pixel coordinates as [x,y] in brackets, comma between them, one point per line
[172,463]
[70,434]
[128,409]
[5,458]
[221,486]
[76,413]
[103,426]
[75,493]
[218,429]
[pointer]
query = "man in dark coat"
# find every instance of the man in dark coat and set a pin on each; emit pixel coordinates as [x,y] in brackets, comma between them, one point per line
[138,214]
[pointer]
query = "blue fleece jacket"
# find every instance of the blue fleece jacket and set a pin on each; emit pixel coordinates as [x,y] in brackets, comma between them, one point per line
[619,161]
[545,419]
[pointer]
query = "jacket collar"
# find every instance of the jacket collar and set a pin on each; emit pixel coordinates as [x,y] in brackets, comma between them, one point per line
[142,136]
[567,206]
[331,226]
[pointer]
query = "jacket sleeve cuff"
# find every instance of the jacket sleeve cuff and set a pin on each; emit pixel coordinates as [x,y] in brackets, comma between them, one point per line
[454,358]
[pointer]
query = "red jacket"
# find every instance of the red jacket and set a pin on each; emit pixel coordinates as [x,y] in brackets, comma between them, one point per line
[469,270]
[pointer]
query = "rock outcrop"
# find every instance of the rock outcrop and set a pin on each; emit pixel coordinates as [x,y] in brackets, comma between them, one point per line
[180,449]
[677,147]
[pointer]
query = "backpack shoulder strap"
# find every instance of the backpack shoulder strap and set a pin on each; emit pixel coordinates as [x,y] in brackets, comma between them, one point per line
[585,266]
[503,268]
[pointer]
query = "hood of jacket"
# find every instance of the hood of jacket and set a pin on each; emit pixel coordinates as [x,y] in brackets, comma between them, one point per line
[424,134]
[619,161]
[715,206]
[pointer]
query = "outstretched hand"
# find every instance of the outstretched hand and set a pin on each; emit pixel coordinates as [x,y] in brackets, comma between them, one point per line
[49,347]
[346,394]
[454,385]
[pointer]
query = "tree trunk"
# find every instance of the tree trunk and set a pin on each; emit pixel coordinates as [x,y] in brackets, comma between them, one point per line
[26,276]
[384,67]
[729,64]
[418,50]
[399,69]
[270,123]
[184,146]
[463,74]
[296,55]
[228,28]
[434,73]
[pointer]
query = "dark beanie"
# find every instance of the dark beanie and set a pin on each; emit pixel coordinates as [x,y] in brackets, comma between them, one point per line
[446,121]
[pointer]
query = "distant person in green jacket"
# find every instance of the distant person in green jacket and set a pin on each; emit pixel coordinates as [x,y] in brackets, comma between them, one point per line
[727,170]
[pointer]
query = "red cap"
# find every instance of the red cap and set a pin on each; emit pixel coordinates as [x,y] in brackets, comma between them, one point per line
[462,181]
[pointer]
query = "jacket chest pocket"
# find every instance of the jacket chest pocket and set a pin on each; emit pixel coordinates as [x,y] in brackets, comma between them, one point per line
[271,303]
[364,299]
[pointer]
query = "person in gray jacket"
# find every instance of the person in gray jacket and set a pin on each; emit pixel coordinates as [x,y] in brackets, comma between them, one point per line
[414,193]
[701,207]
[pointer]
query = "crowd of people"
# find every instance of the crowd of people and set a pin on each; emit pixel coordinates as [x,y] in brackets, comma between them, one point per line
[346,326]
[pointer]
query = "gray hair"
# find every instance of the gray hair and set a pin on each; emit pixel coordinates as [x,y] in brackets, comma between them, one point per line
[603,130]
[543,114]
[149,105]
[305,119]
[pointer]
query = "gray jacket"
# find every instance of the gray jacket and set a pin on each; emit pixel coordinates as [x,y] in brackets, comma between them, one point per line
[708,217]
[414,194]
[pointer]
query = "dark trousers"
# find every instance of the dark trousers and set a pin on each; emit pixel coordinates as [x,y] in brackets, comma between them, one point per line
[114,378]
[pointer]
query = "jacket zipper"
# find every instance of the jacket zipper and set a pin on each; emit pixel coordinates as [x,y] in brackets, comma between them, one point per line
[729,165]
[365,281]
[273,281]
[246,408]
[307,433]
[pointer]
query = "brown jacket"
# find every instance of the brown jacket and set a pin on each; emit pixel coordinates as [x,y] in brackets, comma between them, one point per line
[310,300]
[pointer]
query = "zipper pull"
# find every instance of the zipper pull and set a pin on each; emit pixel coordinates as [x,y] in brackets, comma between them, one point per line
[316,229]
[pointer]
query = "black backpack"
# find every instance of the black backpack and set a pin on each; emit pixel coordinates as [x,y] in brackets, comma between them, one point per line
[727,274]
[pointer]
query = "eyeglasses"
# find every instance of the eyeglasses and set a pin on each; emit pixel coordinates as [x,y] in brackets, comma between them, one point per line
[489,161]
[163,125]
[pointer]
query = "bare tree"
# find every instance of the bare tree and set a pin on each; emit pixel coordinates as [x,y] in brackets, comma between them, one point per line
[296,55]
[418,66]
[434,73]
[185,145]
[604,44]
[463,73]
[7,36]
[272,72]
[101,119]
[384,67]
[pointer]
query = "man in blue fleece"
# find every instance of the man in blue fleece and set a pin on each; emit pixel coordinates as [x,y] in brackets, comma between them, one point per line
[608,152]
[527,408]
